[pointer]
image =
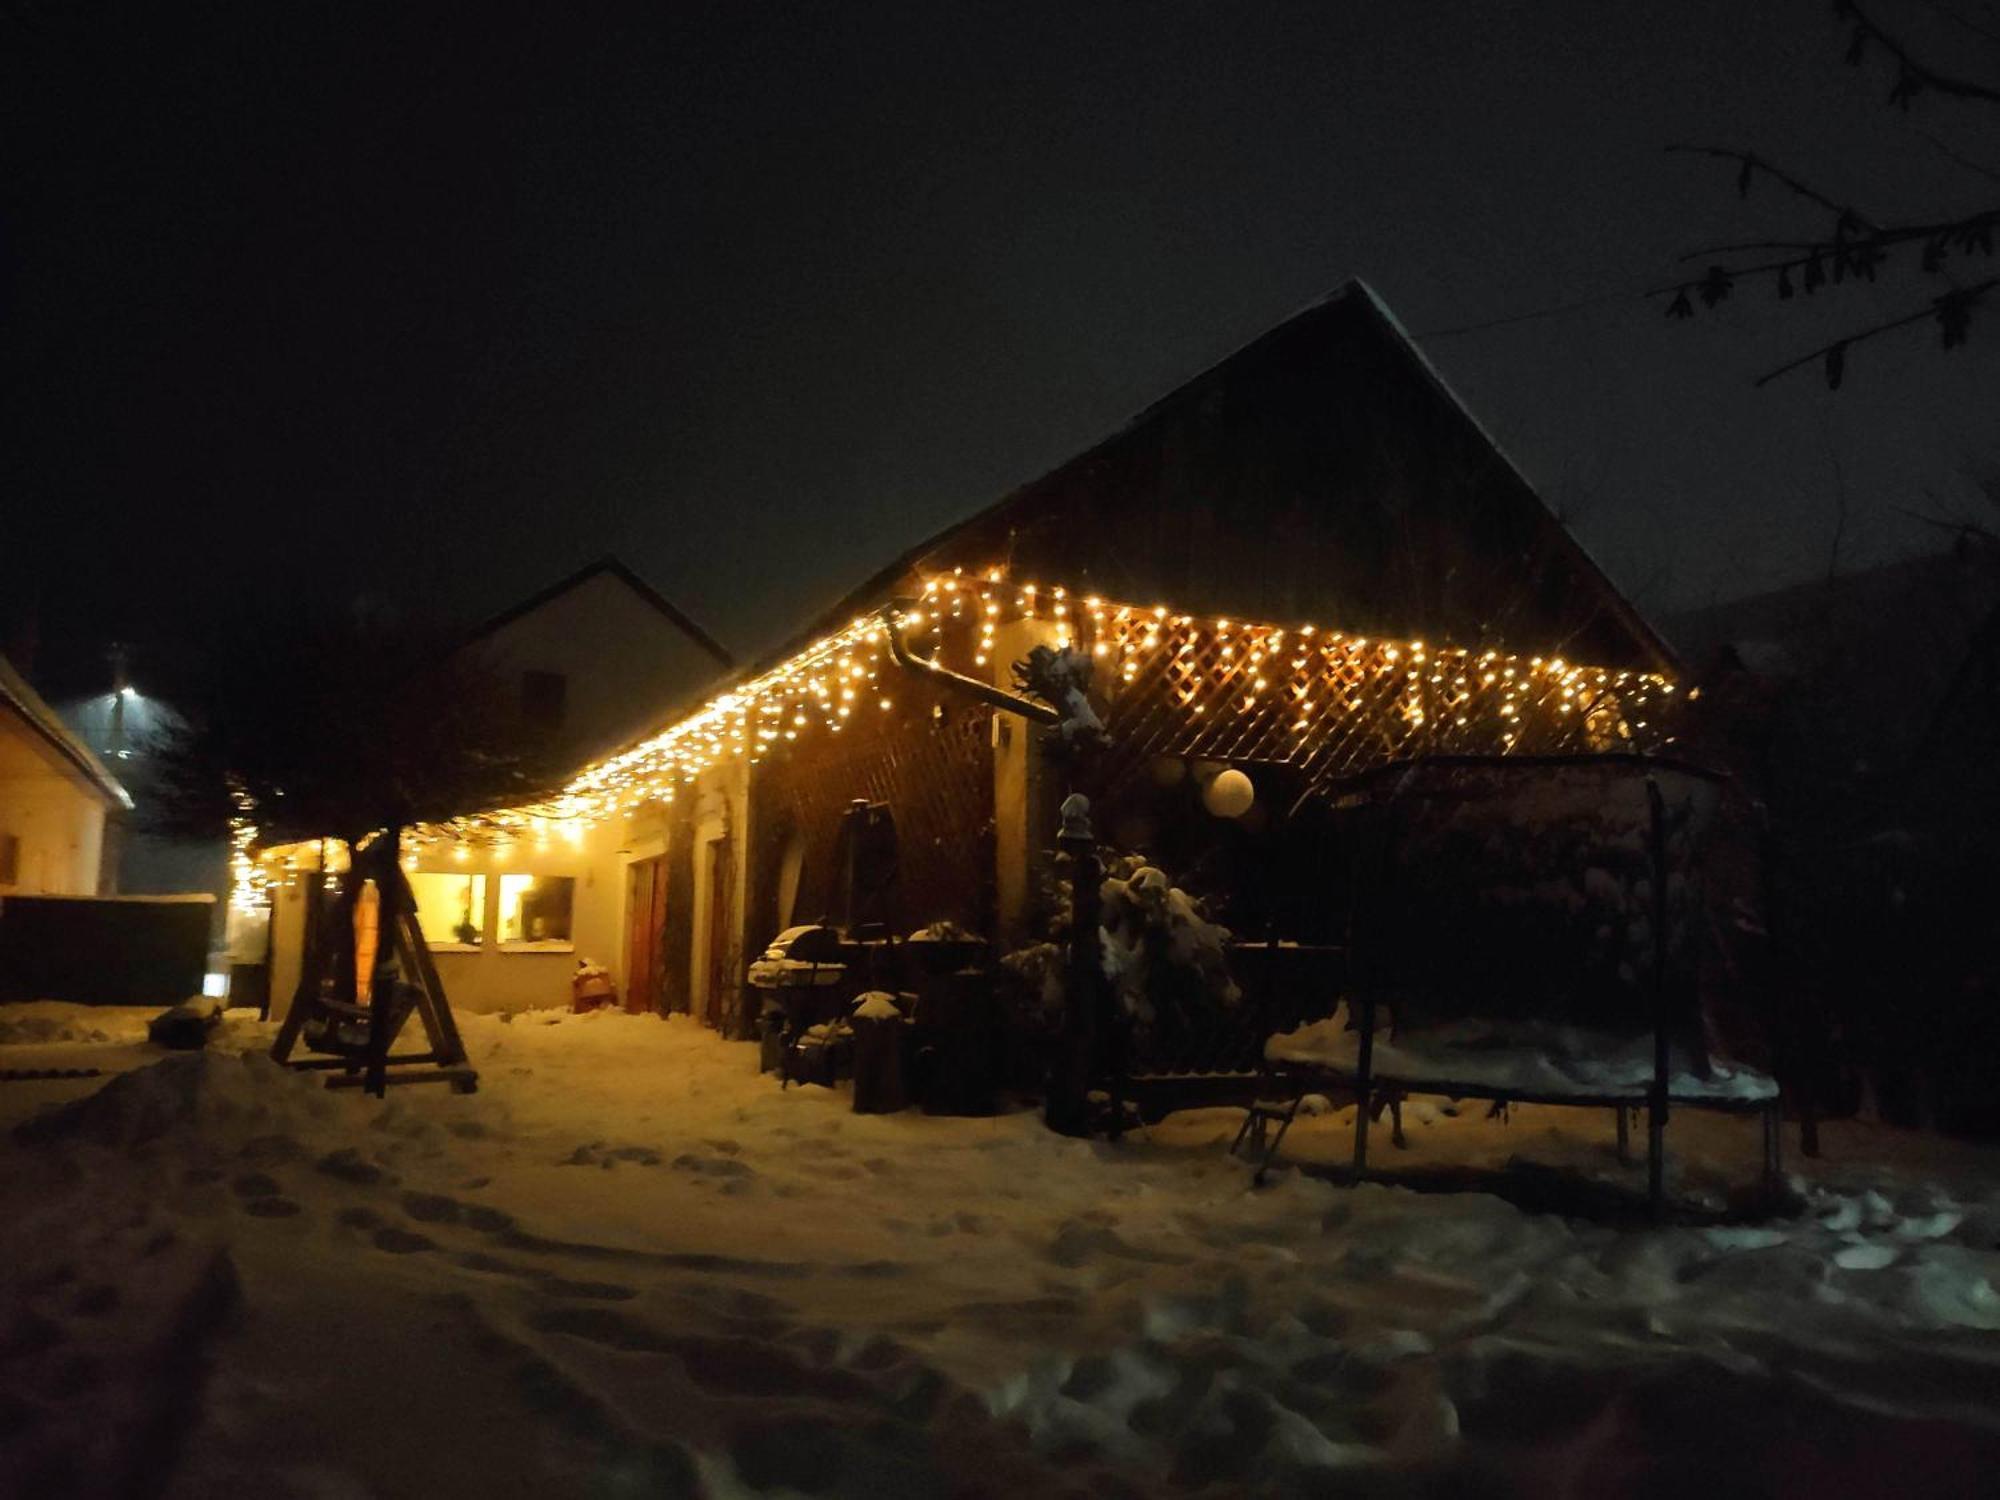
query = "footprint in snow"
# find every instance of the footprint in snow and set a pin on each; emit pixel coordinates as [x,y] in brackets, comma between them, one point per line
[436,1208]
[263,1196]
[349,1165]
[597,1154]
[1080,1241]
[592,1291]
[431,1208]
[30,1333]
[1007,1316]
[715,1166]
[402,1241]
[271,1150]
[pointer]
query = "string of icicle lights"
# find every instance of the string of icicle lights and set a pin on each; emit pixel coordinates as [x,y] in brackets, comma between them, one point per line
[1215,666]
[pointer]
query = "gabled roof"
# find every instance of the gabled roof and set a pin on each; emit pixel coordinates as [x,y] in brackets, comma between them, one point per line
[1345,319]
[27,704]
[612,567]
[1338,387]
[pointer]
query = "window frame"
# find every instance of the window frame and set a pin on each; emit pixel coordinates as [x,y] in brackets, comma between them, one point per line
[532,946]
[485,889]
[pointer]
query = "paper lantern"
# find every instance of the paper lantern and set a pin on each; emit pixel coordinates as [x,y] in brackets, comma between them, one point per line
[1230,794]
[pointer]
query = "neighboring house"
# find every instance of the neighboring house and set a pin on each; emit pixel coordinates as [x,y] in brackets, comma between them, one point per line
[1307,561]
[593,658]
[1843,686]
[60,808]
[589,662]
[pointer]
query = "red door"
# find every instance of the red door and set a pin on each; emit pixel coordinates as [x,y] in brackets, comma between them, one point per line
[645,926]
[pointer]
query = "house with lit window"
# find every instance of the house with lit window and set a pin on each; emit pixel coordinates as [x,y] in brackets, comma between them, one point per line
[1307,561]
[591,660]
[60,807]
[587,662]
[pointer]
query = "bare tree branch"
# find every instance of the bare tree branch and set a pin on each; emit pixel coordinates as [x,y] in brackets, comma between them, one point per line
[1749,163]
[1912,76]
[1953,154]
[1949,310]
[1742,247]
[1961,20]
[1836,259]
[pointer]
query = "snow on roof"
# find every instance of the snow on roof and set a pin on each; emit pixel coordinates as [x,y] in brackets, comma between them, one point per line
[614,568]
[27,704]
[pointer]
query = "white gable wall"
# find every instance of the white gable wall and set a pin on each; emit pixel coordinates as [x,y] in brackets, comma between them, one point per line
[626,665]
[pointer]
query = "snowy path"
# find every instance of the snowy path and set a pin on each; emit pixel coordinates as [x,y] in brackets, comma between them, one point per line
[631,1266]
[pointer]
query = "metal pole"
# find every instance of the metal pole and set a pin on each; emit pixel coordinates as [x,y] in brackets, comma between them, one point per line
[1068,1106]
[1656,1113]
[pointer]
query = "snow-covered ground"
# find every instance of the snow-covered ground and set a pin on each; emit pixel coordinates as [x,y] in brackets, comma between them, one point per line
[631,1266]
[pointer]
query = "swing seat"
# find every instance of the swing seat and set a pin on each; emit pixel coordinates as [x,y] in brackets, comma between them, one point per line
[357,1041]
[343,1030]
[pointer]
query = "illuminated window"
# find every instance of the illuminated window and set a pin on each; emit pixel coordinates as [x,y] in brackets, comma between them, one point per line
[535,911]
[451,909]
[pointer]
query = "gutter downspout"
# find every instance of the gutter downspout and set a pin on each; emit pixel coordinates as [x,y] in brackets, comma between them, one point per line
[972,687]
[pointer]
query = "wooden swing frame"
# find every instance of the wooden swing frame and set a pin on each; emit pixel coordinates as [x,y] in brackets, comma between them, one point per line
[401,947]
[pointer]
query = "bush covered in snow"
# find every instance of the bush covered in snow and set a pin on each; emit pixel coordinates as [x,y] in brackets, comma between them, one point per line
[1164,959]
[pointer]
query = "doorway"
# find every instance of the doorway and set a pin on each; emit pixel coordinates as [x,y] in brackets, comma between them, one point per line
[719,998]
[645,934]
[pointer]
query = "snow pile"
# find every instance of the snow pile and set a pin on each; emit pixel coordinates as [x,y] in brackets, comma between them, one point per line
[1521,1056]
[206,1092]
[39,1022]
[877,1005]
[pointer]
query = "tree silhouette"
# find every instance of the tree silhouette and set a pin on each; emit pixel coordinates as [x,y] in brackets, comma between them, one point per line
[337,724]
[1841,243]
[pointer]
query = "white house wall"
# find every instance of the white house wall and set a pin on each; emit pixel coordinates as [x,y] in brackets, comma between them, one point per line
[497,979]
[57,816]
[492,977]
[622,660]
[722,810]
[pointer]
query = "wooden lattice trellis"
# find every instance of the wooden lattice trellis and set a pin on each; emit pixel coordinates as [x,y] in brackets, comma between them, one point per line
[929,759]
[1333,704]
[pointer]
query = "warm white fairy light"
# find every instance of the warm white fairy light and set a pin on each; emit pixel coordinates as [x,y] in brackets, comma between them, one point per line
[249,881]
[1445,693]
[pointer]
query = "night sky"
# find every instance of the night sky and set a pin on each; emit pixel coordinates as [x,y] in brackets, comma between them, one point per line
[324,300]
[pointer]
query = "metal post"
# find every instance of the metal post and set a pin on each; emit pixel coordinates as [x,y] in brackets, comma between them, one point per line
[1656,1112]
[1363,1072]
[1068,1106]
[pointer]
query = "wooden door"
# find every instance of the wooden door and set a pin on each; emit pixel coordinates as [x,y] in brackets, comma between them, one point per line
[645,927]
[719,1000]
